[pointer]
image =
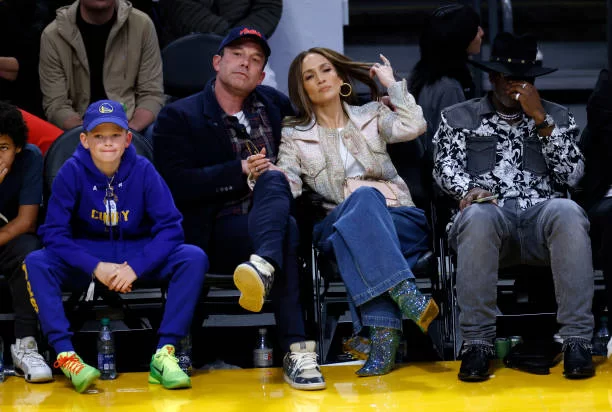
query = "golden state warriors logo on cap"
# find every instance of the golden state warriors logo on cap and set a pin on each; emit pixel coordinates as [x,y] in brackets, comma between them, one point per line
[106,108]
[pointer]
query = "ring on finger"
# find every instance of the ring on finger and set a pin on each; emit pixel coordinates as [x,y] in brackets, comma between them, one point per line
[524,85]
[516,96]
[257,168]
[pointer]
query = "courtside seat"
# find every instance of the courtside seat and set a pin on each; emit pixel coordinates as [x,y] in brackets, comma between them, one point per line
[187,63]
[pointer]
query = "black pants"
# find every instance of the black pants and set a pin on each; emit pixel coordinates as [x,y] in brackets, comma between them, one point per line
[11,258]
[270,232]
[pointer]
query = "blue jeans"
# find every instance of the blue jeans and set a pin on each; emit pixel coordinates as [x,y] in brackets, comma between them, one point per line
[554,232]
[375,248]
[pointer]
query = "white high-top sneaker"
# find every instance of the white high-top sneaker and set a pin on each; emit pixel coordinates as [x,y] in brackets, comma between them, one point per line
[29,362]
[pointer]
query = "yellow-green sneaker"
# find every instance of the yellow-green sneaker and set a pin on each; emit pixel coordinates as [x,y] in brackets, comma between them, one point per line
[166,370]
[80,374]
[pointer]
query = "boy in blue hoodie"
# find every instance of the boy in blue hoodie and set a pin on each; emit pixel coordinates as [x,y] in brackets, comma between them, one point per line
[111,217]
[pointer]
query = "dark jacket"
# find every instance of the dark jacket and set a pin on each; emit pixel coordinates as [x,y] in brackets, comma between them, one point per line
[596,144]
[194,154]
[182,17]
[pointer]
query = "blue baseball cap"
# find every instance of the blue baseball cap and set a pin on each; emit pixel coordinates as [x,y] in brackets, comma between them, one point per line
[242,32]
[104,111]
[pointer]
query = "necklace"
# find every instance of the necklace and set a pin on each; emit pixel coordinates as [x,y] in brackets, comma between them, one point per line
[507,117]
[344,152]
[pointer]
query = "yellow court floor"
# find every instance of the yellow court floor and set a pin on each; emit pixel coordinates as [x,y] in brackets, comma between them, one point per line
[416,387]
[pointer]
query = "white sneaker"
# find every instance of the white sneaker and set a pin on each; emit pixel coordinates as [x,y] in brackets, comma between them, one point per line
[300,367]
[29,362]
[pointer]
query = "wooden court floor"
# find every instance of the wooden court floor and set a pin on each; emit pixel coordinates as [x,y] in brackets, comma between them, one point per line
[414,387]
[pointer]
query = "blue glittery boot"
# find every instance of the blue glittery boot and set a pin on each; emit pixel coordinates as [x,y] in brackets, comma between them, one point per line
[413,304]
[384,344]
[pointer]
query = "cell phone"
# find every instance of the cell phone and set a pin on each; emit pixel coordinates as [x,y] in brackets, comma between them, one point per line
[485,199]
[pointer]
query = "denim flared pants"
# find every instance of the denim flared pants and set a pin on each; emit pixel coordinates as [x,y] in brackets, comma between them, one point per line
[375,247]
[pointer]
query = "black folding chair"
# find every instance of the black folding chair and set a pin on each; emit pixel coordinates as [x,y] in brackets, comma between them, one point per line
[187,63]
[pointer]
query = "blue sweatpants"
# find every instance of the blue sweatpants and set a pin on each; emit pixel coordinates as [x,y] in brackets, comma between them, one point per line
[48,275]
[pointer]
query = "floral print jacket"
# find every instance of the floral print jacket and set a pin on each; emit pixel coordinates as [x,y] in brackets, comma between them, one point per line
[474,147]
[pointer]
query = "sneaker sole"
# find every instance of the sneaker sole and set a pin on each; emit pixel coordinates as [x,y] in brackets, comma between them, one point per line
[429,314]
[41,379]
[305,386]
[473,378]
[175,385]
[88,381]
[365,374]
[251,288]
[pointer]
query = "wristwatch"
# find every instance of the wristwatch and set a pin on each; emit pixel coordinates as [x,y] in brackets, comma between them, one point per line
[548,122]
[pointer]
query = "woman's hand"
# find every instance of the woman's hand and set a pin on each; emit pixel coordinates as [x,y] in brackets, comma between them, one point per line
[257,164]
[384,72]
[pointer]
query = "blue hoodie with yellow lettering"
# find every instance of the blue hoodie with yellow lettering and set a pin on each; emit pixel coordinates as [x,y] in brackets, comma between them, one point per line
[134,207]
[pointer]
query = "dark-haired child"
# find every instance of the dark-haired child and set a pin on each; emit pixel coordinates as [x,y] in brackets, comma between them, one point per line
[20,199]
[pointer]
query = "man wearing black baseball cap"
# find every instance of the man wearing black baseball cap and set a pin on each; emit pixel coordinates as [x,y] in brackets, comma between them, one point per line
[217,149]
[242,32]
[508,159]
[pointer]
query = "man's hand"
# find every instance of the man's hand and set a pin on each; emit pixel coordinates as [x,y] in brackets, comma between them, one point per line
[123,280]
[141,119]
[72,122]
[529,98]
[105,272]
[475,193]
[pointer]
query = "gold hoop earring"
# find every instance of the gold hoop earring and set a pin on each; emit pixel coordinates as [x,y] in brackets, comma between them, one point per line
[350,89]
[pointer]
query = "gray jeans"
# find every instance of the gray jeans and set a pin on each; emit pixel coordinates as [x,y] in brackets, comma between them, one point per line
[554,232]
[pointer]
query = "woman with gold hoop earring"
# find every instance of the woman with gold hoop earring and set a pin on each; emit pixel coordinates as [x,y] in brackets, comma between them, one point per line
[347,93]
[374,241]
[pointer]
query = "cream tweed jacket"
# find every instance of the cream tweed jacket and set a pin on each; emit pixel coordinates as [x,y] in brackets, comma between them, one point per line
[310,155]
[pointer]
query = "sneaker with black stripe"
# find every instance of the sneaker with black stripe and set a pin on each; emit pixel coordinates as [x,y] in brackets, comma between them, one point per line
[300,367]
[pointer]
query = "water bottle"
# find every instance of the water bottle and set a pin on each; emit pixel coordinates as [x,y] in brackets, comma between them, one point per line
[601,338]
[262,354]
[1,360]
[106,351]
[184,354]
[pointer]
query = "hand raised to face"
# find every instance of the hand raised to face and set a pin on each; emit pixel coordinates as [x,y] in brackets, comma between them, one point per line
[529,98]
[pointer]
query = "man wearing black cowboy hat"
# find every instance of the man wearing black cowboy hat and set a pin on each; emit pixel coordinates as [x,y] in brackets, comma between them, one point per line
[507,158]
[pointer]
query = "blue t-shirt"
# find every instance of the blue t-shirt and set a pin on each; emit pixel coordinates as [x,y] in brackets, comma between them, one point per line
[23,184]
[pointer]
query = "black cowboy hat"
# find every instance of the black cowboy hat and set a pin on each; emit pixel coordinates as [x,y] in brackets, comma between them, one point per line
[514,56]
